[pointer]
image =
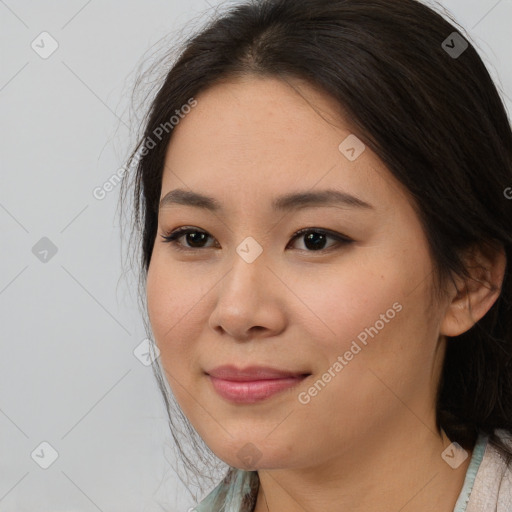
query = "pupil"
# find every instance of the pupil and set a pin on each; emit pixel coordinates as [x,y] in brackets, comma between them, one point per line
[316,244]
[192,236]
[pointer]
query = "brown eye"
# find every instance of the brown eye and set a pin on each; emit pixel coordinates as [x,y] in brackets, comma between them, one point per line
[193,237]
[315,239]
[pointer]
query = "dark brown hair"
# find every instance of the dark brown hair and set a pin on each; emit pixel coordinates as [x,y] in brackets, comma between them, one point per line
[437,122]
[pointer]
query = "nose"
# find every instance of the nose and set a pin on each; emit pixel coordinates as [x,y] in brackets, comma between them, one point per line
[249,302]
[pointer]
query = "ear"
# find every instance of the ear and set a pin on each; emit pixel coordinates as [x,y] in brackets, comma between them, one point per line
[471,299]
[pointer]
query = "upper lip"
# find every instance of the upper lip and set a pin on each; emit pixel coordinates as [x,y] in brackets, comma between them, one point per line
[229,372]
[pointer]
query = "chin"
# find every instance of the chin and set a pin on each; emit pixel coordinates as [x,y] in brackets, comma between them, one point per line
[253,455]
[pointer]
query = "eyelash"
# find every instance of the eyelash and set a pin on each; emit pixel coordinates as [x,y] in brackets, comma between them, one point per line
[172,238]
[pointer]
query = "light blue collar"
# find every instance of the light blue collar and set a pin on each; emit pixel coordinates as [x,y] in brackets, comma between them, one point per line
[474,464]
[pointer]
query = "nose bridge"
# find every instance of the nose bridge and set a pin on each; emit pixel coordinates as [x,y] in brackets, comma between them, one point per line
[246,295]
[248,271]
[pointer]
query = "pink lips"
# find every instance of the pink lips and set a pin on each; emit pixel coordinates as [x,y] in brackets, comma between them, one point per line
[252,384]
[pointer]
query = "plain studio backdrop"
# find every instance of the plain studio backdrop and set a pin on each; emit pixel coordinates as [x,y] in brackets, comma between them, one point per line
[82,423]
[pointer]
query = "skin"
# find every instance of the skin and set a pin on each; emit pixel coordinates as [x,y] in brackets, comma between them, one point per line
[367,441]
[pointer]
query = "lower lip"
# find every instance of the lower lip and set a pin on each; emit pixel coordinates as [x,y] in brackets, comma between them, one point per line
[252,391]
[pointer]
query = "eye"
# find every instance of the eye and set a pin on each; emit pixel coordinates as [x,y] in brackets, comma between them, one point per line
[314,241]
[187,232]
[315,238]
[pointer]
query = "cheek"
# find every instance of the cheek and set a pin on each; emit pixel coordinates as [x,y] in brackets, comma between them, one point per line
[369,314]
[173,309]
[379,334]
[160,297]
[341,303]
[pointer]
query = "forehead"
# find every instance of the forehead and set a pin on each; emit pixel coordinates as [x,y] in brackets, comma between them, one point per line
[260,116]
[262,137]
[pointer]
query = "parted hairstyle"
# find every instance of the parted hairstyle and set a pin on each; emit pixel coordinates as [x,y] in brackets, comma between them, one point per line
[435,119]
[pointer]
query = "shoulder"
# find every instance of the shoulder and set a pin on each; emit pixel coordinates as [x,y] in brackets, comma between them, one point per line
[492,489]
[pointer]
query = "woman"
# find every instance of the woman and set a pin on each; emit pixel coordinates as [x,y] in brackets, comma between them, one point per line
[323,195]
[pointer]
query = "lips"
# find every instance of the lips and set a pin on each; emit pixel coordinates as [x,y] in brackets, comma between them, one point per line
[252,373]
[252,384]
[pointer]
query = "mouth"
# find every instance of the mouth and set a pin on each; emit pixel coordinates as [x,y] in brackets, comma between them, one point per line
[252,384]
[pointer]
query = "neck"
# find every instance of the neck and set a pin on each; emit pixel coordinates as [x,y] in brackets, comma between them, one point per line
[404,472]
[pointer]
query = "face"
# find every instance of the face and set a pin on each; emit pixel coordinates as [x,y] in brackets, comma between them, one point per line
[347,303]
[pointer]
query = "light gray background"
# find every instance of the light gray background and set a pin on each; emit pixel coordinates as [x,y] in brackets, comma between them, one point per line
[70,325]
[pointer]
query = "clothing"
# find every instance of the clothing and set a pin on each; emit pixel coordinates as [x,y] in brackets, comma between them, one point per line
[492,488]
[487,486]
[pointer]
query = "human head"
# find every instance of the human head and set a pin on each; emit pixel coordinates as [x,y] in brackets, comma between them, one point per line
[423,113]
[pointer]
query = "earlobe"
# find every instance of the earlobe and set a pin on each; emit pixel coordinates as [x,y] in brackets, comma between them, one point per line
[473,298]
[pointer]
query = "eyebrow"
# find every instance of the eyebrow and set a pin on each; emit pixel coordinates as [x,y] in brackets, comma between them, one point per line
[287,202]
